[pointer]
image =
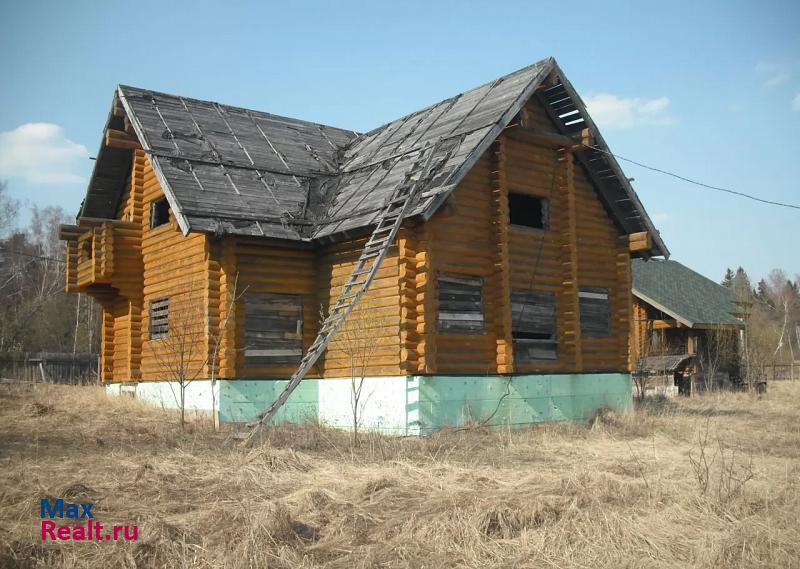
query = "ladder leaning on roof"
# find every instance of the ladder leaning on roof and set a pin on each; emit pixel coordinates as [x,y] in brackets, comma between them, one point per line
[399,204]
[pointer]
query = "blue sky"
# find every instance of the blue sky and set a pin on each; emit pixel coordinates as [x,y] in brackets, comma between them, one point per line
[710,90]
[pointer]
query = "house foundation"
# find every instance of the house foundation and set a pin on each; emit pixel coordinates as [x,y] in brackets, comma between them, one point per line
[404,405]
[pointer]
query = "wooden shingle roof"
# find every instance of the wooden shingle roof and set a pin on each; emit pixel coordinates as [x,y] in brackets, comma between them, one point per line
[231,170]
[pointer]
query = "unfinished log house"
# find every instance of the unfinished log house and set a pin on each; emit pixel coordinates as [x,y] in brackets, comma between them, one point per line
[215,236]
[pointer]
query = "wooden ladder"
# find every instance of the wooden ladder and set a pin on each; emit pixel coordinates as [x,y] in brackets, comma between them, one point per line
[398,205]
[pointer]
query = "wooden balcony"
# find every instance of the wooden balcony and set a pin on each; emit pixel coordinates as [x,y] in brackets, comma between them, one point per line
[92,248]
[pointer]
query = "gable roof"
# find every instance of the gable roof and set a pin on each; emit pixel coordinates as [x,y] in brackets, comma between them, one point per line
[687,296]
[231,170]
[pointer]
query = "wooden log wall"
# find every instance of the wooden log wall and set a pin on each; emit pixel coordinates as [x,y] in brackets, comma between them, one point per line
[500,282]
[376,320]
[579,247]
[461,240]
[545,260]
[174,266]
[265,267]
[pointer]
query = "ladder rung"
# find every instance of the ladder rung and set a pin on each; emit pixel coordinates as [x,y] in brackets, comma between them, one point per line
[354,285]
[379,241]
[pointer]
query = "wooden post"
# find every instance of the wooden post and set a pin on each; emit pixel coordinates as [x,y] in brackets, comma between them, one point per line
[427,309]
[227,270]
[499,294]
[409,308]
[622,303]
[571,322]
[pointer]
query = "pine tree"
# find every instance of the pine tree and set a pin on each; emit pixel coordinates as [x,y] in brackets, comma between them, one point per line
[727,280]
[741,286]
[762,292]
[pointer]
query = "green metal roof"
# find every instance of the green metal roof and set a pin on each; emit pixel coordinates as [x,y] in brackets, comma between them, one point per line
[687,296]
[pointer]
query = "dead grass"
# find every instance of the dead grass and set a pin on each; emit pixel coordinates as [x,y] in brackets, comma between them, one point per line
[708,482]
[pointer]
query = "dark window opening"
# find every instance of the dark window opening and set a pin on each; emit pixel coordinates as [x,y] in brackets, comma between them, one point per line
[159,319]
[533,326]
[595,312]
[460,304]
[87,249]
[273,329]
[159,213]
[527,211]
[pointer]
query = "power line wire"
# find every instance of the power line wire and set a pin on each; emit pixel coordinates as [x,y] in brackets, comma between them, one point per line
[695,182]
[31,255]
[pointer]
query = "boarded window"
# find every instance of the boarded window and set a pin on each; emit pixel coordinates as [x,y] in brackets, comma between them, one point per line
[159,318]
[533,326]
[595,315]
[460,304]
[159,213]
[273,329]
[527,211]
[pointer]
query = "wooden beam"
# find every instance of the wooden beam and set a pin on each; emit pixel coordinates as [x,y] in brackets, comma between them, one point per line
[541,137]
[500,279]
[641,241]
[570,315]
[665,324]
[121,139]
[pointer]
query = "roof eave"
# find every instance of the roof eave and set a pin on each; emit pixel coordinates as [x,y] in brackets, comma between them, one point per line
[683,320]
[659,247]
[177,211]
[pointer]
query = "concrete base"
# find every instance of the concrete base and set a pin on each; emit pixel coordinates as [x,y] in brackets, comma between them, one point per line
[167,394]
[407,405]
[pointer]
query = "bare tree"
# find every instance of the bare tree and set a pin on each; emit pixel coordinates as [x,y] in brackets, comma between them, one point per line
[717,353]
[35,312]
[358,341]
[190,348]
[784,300]
[181,353]
[9,210]
[215,339]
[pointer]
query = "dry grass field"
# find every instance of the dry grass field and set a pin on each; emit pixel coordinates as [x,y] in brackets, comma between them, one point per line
[708,482]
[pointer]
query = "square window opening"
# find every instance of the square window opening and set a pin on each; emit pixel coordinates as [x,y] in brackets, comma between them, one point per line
[527,211]
[273,329]
[460,300]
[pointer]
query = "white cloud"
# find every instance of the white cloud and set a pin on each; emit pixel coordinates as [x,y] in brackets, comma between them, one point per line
[39,153]
[775,74]
[796,103]
[611,111]
[661,218]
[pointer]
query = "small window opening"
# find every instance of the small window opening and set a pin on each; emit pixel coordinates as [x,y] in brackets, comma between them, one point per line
[87,249]
[594,312]
[159,319]
[460,299]
[159,213]
[527,211]
[533,326]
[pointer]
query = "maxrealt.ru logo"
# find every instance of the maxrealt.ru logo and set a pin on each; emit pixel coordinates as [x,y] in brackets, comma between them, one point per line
[91,530]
